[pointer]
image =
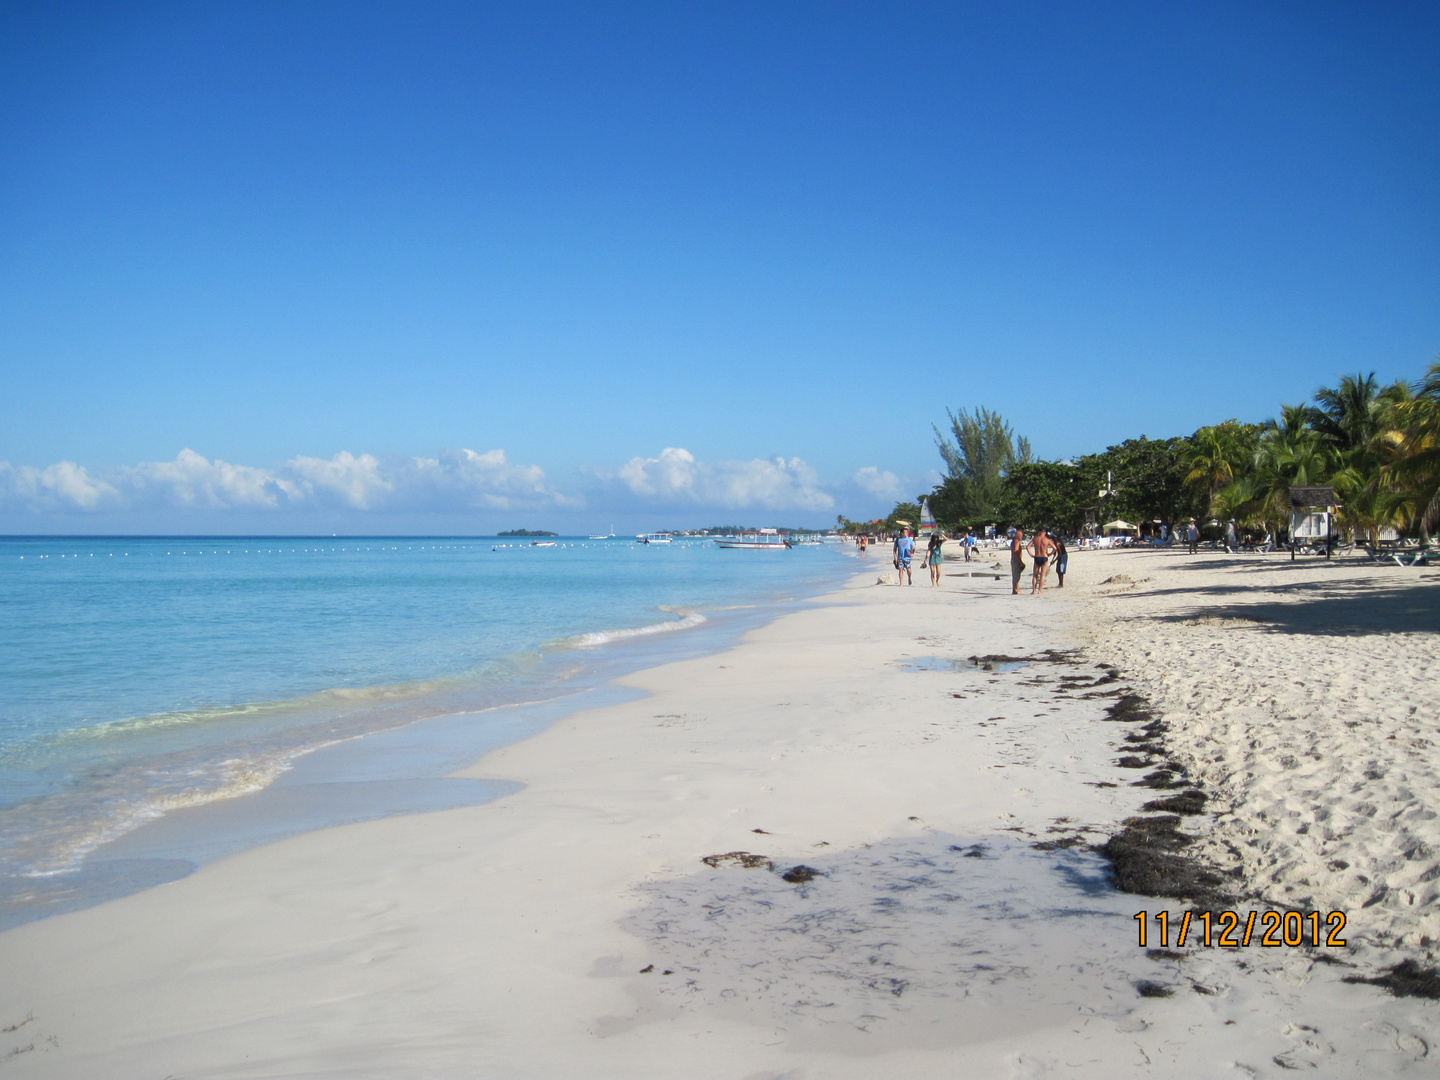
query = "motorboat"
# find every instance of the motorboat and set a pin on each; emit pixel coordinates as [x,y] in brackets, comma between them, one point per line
[653,538]
[761,540]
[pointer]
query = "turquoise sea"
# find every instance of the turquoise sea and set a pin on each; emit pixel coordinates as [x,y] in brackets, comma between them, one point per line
[145,683]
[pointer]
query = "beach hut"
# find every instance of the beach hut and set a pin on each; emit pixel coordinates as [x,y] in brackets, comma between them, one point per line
[1118,526]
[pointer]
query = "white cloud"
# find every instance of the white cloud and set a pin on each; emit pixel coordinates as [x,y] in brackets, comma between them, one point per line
[872,481]
[64,485]
[481,481]
[677,477]
[195,481]
[355,481]
[456,480]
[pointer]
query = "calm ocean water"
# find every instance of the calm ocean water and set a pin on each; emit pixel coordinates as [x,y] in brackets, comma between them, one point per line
[140,676]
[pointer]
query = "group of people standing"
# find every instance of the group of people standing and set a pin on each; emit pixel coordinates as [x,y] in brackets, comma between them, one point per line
[1045,548]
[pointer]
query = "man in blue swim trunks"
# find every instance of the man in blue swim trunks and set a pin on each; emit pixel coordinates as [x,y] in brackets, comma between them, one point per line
[904,549]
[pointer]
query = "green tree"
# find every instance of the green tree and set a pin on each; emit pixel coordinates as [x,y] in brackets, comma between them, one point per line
[1148,477]
[983,450]
[1216,456]
[1414,466]
[1348,416]
[1053,494]
[905,511]
[1291,453]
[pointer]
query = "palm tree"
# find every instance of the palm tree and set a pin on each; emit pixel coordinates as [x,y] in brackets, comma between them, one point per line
[1348,415]
[1291,454]
[1236,500]
[1414,465]
[1212,466]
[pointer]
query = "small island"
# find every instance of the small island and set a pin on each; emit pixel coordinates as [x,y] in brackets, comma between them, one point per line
[526,532]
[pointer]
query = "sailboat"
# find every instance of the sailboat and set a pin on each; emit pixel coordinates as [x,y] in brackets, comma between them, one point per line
[927,519]
[611,536]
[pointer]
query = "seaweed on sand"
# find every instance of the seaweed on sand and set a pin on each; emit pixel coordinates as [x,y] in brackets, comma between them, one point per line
[1146,858]
[1130,709]
[1405,979]
[1187,802]
[742,859]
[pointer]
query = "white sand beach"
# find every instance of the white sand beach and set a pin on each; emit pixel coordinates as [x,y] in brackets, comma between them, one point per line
[603,922]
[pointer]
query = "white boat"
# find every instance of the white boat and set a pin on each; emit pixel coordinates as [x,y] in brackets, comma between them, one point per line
[764,540]
[608,536]
[543,543]
[653,538]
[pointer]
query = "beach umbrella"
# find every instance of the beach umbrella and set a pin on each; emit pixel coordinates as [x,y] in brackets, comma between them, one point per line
[1119,525]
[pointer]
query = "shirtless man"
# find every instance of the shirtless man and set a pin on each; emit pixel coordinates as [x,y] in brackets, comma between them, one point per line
[1017,560]
[1040,548]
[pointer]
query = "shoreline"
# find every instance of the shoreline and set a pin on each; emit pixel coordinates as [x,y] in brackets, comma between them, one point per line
[532,936]
[348,776]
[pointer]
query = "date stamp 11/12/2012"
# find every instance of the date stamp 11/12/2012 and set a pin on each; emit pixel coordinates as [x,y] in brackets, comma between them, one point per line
[1232,930]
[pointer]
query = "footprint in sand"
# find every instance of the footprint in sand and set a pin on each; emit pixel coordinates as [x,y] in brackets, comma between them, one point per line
[1401,1042]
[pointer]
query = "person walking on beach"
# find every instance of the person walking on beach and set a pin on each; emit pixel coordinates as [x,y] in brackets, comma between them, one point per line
[1232,542]
[1192,535]
[1040,548]
[1061,560]
[1017,560]
[968,543]
[934,559]
[904,549]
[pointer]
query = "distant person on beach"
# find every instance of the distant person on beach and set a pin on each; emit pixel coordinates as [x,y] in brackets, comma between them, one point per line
[1232,542]
[904,549]
[1061,560]
[1040,548]
[1192,536]
[968,543]
[1017,560]
[933,558]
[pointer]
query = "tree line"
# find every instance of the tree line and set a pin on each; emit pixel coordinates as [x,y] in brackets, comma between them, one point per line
[1377,445]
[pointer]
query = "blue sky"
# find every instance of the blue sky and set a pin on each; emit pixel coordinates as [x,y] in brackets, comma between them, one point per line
[400,267]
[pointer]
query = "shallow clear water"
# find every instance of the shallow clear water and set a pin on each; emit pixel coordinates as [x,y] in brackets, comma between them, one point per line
[141,676]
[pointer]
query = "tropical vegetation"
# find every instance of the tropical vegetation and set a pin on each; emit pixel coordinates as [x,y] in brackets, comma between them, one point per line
[1377,446]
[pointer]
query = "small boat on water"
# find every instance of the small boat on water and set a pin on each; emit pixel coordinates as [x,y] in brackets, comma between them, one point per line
[764,540]
[653,538]
[543,543]
[607,536]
